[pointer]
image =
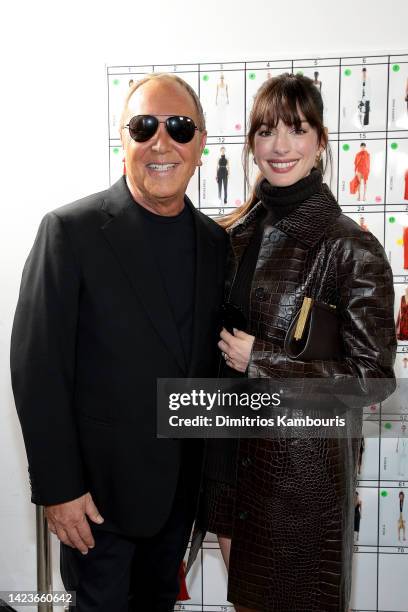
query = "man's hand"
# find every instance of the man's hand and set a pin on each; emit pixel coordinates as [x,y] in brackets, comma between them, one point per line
[69,523]
[236,349]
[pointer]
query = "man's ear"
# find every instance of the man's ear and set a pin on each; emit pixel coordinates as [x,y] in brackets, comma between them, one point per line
[203,142]
[122,137]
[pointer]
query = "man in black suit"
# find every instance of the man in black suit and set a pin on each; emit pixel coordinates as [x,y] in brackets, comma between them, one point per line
[120,288]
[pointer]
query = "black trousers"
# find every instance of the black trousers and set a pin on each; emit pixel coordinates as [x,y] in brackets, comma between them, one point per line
[222,179]
[123,574]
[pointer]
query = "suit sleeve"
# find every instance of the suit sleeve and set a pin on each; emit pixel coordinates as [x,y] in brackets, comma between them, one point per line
[365,308]
[43,347]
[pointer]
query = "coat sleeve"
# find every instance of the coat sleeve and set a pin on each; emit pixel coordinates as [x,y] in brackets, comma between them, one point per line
[366,312]
[43,365]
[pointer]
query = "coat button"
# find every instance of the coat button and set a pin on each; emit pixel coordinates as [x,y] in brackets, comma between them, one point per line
[259,293]
[246,461]
[243,515]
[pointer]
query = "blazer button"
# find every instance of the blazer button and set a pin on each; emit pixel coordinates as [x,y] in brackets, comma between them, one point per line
[259,293]
[243,515]
[246,461]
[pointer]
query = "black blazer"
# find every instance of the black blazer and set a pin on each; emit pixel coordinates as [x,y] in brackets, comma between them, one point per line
[93,331]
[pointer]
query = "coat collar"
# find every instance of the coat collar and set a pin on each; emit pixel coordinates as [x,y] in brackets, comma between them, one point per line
[307,224]
[124,230]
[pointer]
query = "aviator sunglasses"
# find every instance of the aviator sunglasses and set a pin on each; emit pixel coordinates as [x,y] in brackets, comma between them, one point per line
[143,127]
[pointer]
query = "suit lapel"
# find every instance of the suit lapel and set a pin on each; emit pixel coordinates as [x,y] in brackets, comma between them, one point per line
[205,281]
[124,232]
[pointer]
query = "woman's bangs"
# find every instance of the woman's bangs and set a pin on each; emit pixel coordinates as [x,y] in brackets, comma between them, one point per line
[279,107]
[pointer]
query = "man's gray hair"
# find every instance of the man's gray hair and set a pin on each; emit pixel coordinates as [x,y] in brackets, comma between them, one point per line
[172,78]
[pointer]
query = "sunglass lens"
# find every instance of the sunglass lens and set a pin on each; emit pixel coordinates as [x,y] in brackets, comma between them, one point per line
[142,127]
[181,129]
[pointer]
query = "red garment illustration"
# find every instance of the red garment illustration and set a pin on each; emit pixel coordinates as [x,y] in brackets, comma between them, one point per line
[405,241]
[362,163]
[183,592]
[402,320]
[354,185]
[406,186]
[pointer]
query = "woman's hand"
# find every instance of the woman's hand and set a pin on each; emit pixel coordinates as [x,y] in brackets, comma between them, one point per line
[236,349]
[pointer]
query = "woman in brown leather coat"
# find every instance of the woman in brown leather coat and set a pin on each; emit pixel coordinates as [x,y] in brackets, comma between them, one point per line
[283,509]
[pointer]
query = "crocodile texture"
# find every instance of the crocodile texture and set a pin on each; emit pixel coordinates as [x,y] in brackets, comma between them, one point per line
[292,523]
[292,532]
[217,506]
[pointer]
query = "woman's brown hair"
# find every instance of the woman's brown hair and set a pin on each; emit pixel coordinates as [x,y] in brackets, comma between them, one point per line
[284,98]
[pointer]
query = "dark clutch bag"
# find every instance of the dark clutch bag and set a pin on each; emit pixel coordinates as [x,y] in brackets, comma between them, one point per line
[314,333]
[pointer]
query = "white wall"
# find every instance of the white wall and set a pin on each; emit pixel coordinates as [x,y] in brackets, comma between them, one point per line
[54,134]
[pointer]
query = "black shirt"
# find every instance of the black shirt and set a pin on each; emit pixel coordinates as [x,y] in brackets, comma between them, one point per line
[173,244]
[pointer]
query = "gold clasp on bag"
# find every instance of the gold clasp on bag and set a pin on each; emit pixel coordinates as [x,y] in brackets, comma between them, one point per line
[302,318]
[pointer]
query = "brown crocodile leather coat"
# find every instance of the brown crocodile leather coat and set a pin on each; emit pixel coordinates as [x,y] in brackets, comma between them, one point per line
[293,519]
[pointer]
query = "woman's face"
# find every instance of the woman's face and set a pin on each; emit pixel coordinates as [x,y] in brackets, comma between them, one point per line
[285,155]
